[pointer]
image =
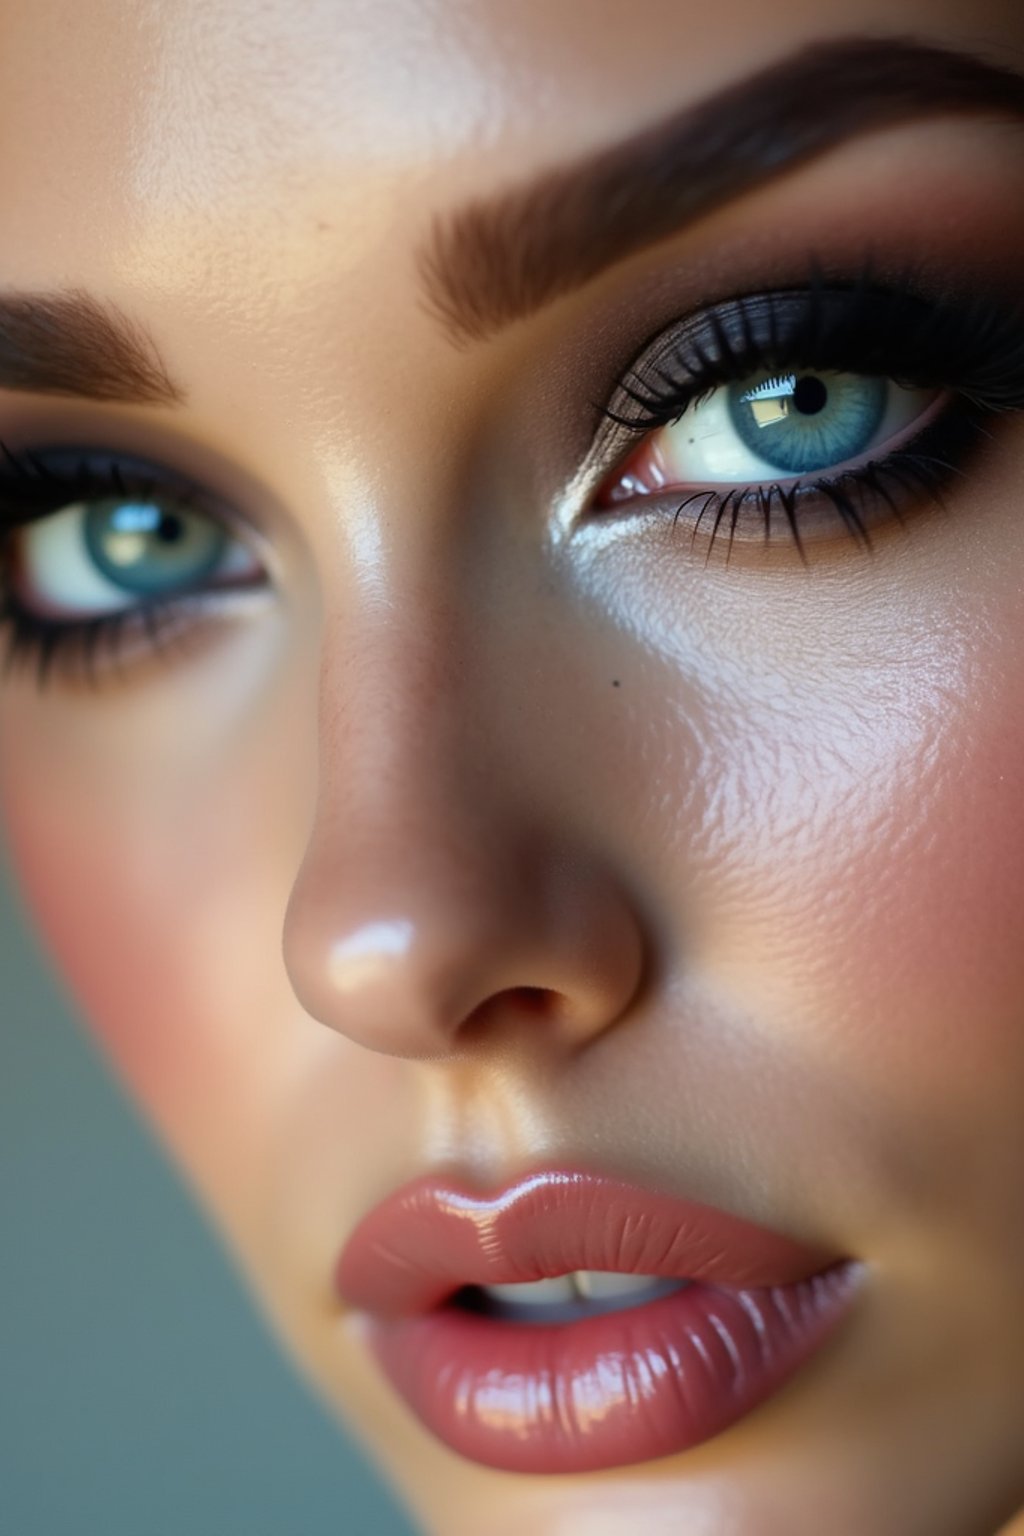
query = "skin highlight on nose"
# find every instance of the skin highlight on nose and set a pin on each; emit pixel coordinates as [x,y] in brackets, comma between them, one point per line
[364,959]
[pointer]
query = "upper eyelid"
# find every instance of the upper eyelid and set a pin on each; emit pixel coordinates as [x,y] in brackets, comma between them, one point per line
[712,323]
[62,462]
[828,324]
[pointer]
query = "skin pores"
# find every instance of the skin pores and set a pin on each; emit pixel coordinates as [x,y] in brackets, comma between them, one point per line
[758,824]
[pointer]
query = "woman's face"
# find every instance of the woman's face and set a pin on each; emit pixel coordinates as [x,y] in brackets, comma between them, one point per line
[493,812]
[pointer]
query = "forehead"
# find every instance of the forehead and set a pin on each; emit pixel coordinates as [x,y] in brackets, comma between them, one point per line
[171,125]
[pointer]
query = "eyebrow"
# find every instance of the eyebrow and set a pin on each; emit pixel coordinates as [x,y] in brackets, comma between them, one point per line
[501,257]
[70,344]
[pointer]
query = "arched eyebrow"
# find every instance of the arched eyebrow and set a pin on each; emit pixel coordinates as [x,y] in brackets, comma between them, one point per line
[68,343]
[501,257]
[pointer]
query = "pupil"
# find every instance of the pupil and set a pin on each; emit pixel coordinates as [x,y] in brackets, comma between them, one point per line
[810,396]
[169,529]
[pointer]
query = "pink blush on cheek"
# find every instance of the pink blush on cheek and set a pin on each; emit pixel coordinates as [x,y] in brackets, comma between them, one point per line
[914,958]
[147,963]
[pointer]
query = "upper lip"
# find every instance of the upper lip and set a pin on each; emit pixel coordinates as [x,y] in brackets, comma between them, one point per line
[435,1235]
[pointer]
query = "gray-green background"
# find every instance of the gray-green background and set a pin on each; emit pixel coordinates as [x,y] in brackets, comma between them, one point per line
[139,1394]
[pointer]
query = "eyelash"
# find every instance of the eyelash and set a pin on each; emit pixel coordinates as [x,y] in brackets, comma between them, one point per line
[973,348]
[34,487]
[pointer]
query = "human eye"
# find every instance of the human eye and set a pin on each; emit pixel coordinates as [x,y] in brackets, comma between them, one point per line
[803,413]
[105,557]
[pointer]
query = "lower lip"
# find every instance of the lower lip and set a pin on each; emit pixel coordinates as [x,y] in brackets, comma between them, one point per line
[614,1389]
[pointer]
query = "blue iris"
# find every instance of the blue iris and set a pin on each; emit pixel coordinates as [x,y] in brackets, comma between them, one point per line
[148,548]
[805,422]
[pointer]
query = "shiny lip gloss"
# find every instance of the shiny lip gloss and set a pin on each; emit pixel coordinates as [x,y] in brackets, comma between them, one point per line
[603,1391]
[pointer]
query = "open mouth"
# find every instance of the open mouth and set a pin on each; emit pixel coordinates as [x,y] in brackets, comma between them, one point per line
[515,1356]
[565,1298]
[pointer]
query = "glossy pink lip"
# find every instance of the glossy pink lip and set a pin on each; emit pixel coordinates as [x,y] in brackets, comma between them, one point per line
[604,1391]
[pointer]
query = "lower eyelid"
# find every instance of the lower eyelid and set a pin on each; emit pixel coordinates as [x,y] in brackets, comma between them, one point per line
[87,651]
[887,484]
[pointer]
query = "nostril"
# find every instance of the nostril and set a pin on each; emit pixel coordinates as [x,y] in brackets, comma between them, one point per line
[540,1000]
[512,1014]
[468,954]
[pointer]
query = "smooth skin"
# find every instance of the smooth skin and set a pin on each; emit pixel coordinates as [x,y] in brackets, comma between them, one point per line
[758,827]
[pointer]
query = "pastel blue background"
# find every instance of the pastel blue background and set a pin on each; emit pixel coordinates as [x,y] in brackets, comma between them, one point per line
[139,1394]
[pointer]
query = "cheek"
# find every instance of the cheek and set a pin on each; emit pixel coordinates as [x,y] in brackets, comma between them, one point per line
[879,922]
[157,862]
[170,942]
[892,981]
[934,904]
[842,833]
[154,930]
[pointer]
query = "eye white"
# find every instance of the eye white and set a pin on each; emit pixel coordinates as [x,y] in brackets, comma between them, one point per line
[704,446]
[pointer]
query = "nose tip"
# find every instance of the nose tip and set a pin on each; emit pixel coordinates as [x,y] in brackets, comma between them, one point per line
[558,951]
[360,961]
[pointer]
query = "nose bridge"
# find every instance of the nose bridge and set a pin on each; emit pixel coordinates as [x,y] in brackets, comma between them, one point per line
[401,743]
[432,890]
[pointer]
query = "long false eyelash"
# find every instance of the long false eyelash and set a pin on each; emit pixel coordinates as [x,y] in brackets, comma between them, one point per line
[923,468]
[975,347]
[921,476]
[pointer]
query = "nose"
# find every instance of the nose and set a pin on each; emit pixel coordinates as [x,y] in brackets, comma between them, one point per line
[437,906]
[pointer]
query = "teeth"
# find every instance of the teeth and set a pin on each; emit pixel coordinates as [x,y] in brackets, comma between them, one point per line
[534,1293]
[606,1285]
[584,1293]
